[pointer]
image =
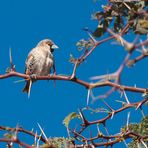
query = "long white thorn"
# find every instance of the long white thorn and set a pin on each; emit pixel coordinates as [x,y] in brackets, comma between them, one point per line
[126,98]
[128,116]
[42,131]
[88,96]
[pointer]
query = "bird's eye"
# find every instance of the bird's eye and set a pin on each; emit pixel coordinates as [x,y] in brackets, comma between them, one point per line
[48,44]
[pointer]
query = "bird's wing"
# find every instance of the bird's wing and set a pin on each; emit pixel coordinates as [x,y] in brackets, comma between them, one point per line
[30,62]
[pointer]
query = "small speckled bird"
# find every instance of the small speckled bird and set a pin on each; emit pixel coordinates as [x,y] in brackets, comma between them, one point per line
[39,61]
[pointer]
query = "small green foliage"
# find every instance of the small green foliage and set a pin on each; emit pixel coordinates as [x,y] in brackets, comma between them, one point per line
[118,24]
[81,44]
[68,118]
[58,142]
[72,59]
[118,13]
[8,70]
[9,135]
[141,26]
[139,128]
[130,63]
[84,44]
[8,128]
[103,24]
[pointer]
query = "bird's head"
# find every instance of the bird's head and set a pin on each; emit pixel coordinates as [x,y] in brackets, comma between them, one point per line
[48,42]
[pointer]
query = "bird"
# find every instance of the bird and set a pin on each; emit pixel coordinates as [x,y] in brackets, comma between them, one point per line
[39,62]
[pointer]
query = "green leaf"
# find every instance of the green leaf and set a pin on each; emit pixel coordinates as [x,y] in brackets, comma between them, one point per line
[9,135]
[72,59]
[141,27]
[139,128]
[102,27]
[68,118]
[8,70]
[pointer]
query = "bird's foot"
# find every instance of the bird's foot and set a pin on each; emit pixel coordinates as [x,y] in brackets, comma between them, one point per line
[53,74]
[33,76]
[49,75]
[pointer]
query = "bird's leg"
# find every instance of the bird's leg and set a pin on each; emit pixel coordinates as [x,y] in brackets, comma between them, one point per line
[54,73]
[54,69]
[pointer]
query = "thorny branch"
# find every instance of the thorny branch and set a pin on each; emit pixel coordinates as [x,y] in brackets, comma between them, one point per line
[113,138]
[76,80]
[20,129]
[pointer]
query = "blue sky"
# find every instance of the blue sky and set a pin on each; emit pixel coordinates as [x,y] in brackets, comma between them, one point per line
[22,25]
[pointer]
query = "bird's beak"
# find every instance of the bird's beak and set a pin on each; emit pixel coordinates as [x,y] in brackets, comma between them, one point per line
[54,46]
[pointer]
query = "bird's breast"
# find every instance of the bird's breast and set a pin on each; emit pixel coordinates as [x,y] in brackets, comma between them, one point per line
[47,65]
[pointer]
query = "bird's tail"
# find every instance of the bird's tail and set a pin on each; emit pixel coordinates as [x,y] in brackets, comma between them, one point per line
[27,87]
